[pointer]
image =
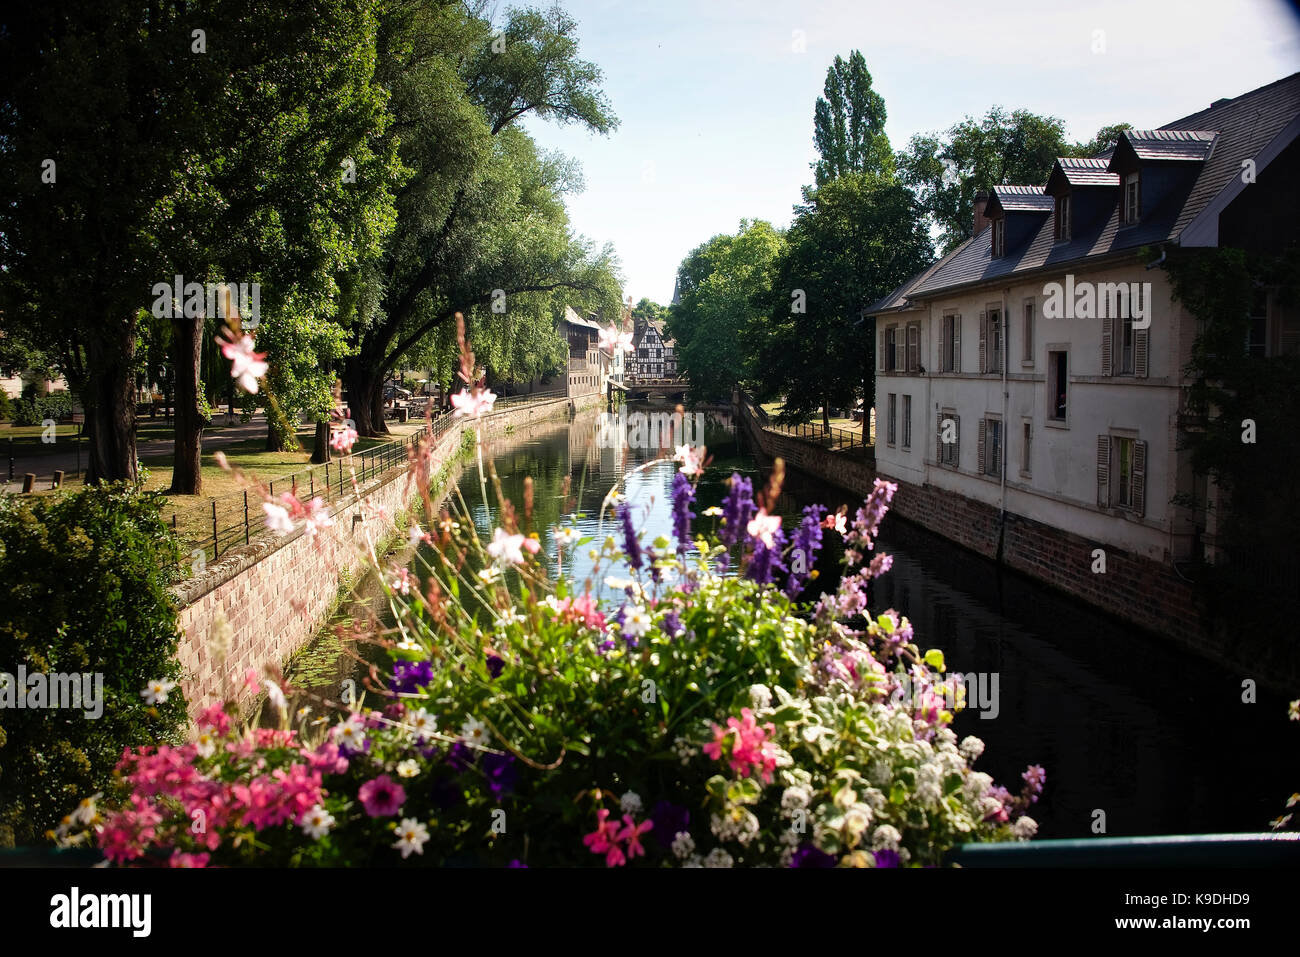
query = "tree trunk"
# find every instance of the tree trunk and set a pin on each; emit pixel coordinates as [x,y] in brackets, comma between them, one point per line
[109,401]
[365,396]
[826,415]
[187,349]
[281,434]
[321,453]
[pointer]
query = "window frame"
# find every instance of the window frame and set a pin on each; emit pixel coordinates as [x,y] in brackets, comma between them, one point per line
[1061,217]
[1056,387]
[1130,201]
[891,427]
[999,237]
[1026,448]
[1029,317]
[993,450]
[906,442]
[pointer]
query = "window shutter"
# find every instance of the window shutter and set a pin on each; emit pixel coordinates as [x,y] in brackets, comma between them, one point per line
[882,350]
[943,344]
[956,446]
[1108,346]
[984,335]
[979,451]
[938,439]
[1103,471]
[1140,351]
[1028,353]
[1140,477]
[956,343]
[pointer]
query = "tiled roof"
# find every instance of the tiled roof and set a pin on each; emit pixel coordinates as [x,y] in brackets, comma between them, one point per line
[574,319]
[1166,144]
[1225,134]
[1021,199]
[1087,171]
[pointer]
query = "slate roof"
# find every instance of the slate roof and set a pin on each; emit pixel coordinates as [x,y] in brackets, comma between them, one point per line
[898,298]
[1088,171]
[574,319]
[1169,144]
[1023,199]
[1222,136]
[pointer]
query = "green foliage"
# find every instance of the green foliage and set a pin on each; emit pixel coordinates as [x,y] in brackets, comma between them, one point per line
[1261,523]
[32,409]
[849,123]
[723,286]
[853,240]
[6,406]
[87,578]
[946,170]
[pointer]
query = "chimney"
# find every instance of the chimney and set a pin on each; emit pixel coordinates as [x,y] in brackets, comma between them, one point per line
[981,222]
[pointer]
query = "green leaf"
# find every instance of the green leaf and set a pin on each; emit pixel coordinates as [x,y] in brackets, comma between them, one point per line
[934,658]
[898,793]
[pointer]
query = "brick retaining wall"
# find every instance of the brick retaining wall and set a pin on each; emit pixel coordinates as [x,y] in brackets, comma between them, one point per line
[277,592]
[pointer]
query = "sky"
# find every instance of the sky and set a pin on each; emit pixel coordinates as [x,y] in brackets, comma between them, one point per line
[715,97]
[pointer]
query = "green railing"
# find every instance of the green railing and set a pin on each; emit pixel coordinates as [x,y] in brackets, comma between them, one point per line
[1181,850]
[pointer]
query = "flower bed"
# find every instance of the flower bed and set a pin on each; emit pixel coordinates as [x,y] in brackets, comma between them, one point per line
[707,717]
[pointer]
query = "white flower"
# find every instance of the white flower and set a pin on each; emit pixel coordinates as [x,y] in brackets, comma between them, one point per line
[1025,827]
[415,534]
[421,723]
[474,732]
[317,822]
[408,768]
[155,692]
[760,696]
[567,536]
[205,745]
[971,748]
[885,838]
[489,575]
[408,643]
[411,835]
[690,459]
[276,697]
[794,798]
[718,858]
[636,622]
[277,518]
[246,365]
[683,845]
[630,803]
[763,526]
[620,584]
[693,861]
[857,819]
[713,511]
[351,733]
[506,548]
[87,811]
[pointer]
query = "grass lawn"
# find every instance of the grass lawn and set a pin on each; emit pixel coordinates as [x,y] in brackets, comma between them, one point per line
[773,409]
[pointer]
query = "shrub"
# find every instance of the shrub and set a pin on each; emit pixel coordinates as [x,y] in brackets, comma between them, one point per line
[6,406]
[34,409]
[87,577]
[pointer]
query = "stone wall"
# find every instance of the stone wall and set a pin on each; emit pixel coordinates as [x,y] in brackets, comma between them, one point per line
[277,592]
[1141,591]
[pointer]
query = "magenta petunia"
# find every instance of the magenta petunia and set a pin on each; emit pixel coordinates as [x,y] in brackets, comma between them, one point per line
[382,796]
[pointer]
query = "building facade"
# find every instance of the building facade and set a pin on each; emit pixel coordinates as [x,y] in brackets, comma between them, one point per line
[588,365]
[1039,368]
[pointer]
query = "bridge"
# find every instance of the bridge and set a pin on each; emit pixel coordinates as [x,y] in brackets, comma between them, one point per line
[672,389]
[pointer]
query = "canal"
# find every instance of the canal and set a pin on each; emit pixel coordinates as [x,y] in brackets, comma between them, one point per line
[1136,736]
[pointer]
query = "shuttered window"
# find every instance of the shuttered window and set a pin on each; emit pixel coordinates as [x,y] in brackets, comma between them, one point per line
[1121,473]
[948,453]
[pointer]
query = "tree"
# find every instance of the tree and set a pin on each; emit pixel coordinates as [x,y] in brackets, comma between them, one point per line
[946,170]
[849,123]
[1103,142]
[852,241]
[458,92]
[724,289]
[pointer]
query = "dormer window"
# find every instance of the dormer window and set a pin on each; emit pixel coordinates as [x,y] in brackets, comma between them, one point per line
[999,237]
[1130,206]
[1062,217]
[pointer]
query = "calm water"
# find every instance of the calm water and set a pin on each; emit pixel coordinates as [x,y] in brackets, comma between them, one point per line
[1121,721]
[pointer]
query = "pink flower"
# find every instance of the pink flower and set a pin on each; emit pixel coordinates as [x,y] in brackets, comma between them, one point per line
[583,609]
[277,518]
[838,522]
[631,835]
[473,403]
[326,758]
[751,750]
[214,716]
[532,545]
[247,366]
[343,439]
[506,548]
[180,859]
[317,516]
[604,839]
[690,458]
[382,796]
[612,339]
[401,581]
[762,526]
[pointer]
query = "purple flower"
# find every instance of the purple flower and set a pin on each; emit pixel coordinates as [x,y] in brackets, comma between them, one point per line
[809,856]
[867,522]
[683,497]
[737,509]
[766,562]
[886,858]
[631,547]
[807,543]
[459,756]
[671,625]
[410,676]
[494,665]
[669,821]
[502,775]
[516,863]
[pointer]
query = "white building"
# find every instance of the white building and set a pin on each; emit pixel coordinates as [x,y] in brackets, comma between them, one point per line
[1073,420]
